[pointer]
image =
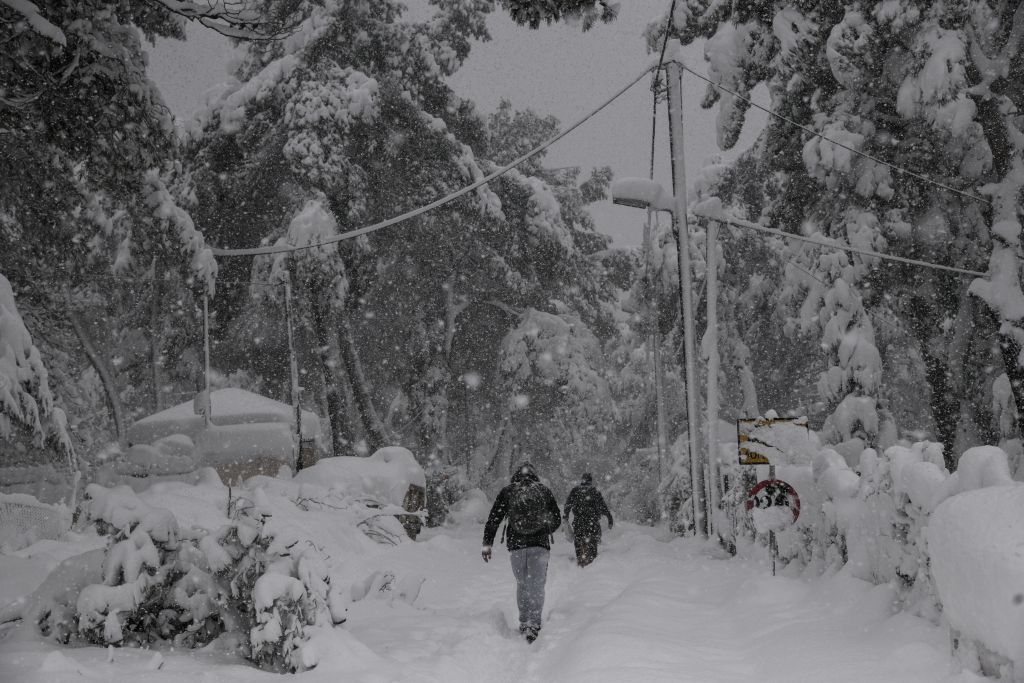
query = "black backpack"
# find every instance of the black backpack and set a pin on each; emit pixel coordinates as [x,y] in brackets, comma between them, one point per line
[528,511]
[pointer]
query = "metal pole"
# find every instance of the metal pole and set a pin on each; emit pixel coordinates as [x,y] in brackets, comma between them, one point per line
[679,217]
[711,338]
[206,358]
[773,548]
[295,389]
[655,341]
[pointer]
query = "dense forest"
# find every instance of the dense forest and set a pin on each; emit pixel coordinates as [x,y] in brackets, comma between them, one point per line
[503,325]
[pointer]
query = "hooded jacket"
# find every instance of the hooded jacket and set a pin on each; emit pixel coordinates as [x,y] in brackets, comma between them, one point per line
[500,510]
[587,505]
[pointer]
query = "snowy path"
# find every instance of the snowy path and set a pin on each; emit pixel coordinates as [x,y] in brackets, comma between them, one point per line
[644,611]
[651,611]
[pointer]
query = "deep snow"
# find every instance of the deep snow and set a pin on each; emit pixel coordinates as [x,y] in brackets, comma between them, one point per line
[646,610]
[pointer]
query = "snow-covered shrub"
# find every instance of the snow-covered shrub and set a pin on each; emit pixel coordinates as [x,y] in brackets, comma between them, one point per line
[445,486]
[159,581]
[885,537]
[390,479]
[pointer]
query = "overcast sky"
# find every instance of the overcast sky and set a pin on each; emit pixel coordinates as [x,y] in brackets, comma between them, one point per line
[557,70]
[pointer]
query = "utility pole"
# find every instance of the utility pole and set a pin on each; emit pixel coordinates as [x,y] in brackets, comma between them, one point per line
[711,339]
[294,366]
[674,75]
[207,399]
[651,313]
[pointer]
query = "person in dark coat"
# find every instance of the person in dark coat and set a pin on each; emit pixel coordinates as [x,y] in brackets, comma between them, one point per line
[533,515]
[587,505]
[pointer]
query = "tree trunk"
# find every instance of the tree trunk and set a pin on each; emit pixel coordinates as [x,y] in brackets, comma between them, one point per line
[943,401]
[327,352]
[1010,350]
[376,434]
[102,369]
[155,325]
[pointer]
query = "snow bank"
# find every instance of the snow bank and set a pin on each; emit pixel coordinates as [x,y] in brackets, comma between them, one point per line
[385,476]
[975,540]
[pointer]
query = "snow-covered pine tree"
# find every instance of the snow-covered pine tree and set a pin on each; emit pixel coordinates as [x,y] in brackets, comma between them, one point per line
[26,401]
[79,203]
[908,83]
[331,112]
[533,12]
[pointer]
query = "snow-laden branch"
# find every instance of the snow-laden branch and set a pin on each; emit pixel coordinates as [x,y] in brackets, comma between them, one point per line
[36,20]
[240,19]
[25,396]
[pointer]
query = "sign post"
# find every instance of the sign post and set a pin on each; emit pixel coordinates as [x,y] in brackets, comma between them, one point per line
[773,503]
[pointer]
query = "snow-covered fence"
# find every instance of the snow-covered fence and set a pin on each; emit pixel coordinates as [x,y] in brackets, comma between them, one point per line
[24,520]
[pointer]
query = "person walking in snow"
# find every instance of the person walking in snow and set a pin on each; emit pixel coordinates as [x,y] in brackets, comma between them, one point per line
[587,505]
[533,516]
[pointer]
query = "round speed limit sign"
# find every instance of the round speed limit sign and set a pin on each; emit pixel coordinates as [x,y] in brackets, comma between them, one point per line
[773,493]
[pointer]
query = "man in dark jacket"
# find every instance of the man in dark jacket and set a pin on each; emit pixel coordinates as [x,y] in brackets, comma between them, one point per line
[588,506]
[533,515]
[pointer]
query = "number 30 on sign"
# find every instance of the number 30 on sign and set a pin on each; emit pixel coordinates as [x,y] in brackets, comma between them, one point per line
[774,493]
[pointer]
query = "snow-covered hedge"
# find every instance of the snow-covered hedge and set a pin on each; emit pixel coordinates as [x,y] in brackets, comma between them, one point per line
[948,541]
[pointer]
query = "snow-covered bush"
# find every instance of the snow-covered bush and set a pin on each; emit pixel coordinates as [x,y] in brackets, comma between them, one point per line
[884,536]
[161,582]
[445,487]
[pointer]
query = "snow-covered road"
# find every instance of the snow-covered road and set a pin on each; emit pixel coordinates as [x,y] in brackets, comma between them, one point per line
[646,610]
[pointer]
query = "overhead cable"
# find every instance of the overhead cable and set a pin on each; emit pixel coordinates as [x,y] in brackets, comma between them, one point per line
[747,225]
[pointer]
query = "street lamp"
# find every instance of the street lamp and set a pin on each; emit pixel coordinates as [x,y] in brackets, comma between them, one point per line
[642,193]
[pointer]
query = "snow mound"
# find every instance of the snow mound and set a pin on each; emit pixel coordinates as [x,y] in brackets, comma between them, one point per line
[974,540]
[385,476]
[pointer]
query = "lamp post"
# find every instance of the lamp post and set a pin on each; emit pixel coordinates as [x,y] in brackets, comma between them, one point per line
[647,194]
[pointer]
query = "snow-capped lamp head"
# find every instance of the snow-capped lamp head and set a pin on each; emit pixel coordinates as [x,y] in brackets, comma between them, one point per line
[641,193]
[587,478]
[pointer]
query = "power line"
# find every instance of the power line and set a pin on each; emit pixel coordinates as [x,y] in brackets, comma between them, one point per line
[740,223]
[150,281]
[898,169]
[282,248]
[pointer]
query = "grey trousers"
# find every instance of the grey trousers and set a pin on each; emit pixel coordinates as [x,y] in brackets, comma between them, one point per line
[530,567]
